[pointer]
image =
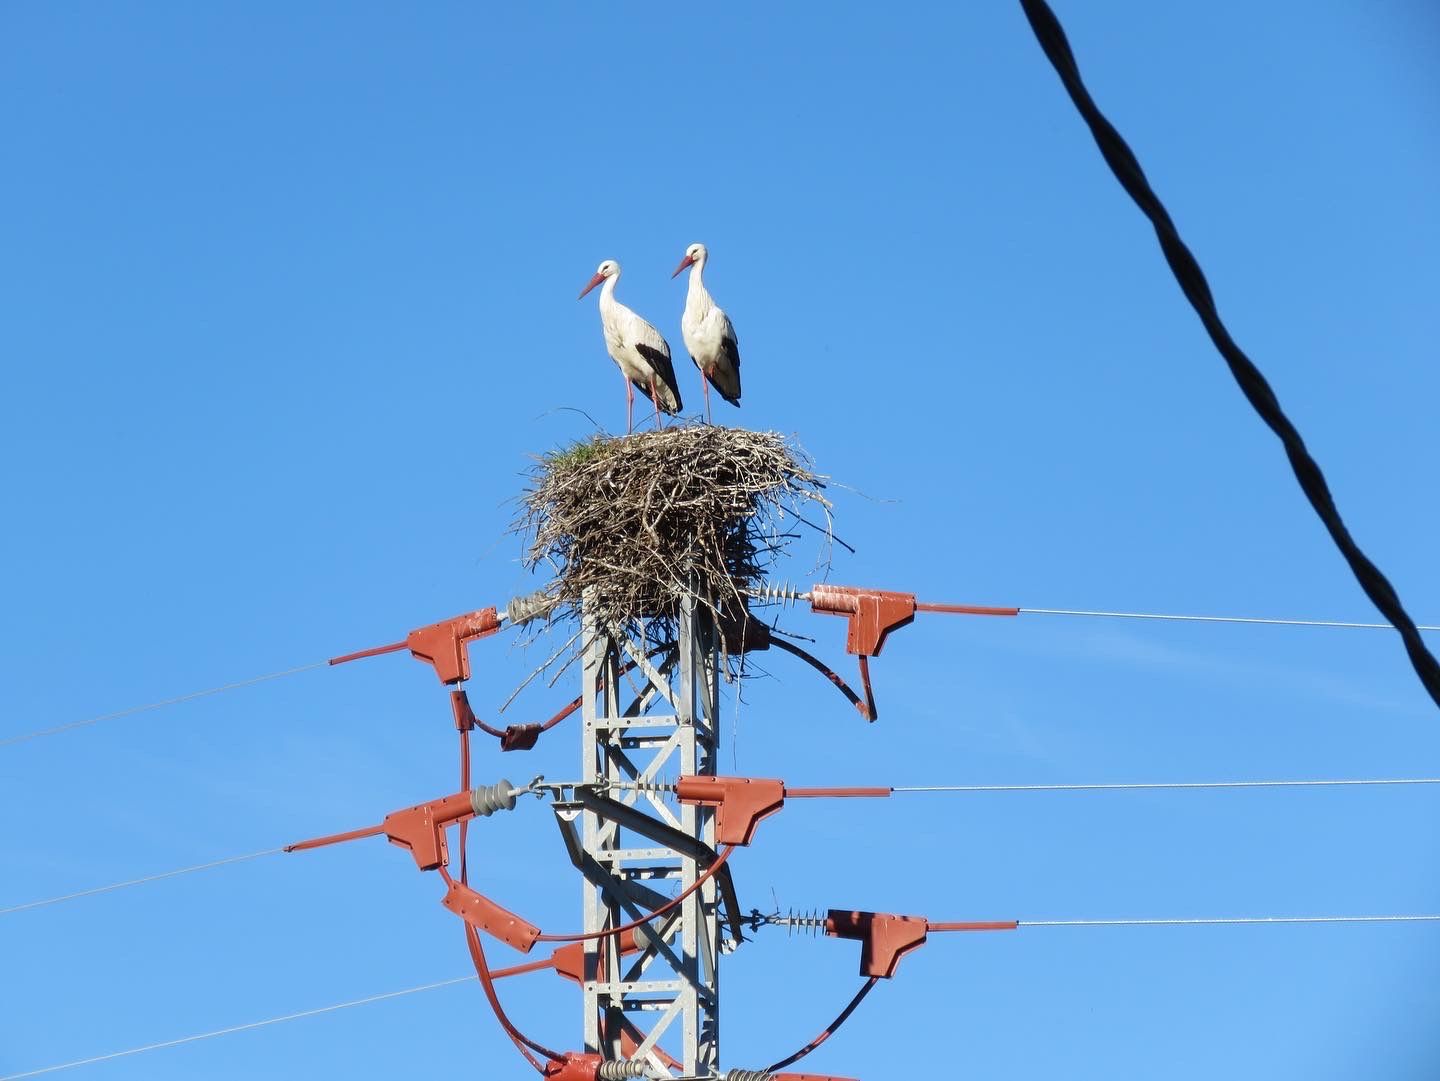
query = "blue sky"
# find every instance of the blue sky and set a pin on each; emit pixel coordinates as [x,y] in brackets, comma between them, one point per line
[289,303]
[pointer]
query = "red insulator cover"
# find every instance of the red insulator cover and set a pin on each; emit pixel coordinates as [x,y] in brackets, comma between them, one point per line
[742,803]
[884,938]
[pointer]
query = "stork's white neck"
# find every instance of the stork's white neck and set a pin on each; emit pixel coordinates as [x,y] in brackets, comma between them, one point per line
[607,291]
[695,292]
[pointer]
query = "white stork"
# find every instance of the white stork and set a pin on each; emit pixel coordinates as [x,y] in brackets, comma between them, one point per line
[708,333]
[637,347]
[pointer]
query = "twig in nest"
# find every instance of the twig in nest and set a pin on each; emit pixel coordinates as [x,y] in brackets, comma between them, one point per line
[544,665]
[634,525]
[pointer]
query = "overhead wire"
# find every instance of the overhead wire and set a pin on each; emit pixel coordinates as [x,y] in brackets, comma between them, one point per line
[146,707]
[139,881]
[573,705]
[1129,786]
[1253,384]
[1221,920]
[1261,396]
[1218,619]
[1123,922]
[1118,786]
[230,1030]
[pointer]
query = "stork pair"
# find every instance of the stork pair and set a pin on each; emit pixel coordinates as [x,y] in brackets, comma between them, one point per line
[643,355]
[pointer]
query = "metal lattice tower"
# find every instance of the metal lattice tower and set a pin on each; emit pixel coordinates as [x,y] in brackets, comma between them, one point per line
[648,725]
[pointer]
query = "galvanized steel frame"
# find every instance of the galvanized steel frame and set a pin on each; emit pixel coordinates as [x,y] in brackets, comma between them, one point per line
[675,974]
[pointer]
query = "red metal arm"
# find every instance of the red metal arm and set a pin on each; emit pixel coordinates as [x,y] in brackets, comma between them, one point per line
[873,613]
[421,828]
[742,802]
[569,961]
[443,645]
[886,938]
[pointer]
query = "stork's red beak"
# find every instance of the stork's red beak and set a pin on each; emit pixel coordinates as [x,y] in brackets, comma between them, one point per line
[683,264]
[593,283]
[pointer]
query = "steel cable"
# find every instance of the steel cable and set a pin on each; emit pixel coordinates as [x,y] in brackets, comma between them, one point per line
[370,831]
[1222,920]
[139,881]
[237,1028]
[574,704]
[1218,619]
[1164,785]
[9,740]
[1127,170]
[1137,922]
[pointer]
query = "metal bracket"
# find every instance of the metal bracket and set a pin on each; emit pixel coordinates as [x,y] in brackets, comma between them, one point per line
[629,818]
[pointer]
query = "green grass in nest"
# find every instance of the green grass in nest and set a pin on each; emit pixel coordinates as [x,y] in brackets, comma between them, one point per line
[581,453]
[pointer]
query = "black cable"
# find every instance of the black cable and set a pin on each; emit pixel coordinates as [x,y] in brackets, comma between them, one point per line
[1256,389]
[829,1031]
[825,670]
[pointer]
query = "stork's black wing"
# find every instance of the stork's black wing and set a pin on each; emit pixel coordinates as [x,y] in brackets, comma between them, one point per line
[669,389]
[727,377]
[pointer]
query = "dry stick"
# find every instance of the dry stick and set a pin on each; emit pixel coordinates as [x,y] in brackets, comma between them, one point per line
[549,661]
[640,519]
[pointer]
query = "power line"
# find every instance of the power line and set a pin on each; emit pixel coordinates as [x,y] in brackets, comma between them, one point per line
[1162,785]
[238,1028]
[1218,619]
[9,740]
[1137,922]
[139,881]
[1261,396]
[1083,612]
[1221,920]
[921,789]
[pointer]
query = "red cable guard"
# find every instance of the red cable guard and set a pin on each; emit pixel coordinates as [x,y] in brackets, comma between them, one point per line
[522,1042]
[457,632]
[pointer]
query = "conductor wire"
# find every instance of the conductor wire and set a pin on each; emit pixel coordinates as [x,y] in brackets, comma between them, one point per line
[1165,785]
[1217,619]
[238,1028]
[1221,920]
[139,881]
[132,710]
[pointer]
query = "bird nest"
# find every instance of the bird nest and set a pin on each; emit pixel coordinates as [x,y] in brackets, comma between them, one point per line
[633,525]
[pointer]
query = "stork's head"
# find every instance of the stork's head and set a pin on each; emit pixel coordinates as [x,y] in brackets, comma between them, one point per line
[695,253]
[608,269]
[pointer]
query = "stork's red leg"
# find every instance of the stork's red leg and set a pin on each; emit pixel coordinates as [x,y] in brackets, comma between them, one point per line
[655,397]
[629,405]
[706,384]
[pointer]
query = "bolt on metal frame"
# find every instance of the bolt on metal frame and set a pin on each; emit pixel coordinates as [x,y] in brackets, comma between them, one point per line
[670,727]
